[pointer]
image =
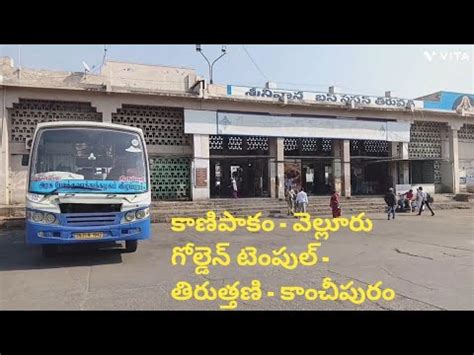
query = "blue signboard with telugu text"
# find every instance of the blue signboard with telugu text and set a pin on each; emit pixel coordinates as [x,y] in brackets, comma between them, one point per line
[104,186]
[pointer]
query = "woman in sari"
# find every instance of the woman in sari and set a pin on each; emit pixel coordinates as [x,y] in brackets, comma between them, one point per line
[334,204]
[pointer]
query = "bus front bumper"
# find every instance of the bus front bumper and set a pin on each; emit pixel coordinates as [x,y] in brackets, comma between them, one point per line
[37,233]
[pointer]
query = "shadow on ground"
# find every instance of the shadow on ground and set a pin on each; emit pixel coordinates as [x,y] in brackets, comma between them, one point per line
[16,255]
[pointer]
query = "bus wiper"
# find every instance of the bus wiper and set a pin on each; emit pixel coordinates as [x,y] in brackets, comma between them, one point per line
[56,190]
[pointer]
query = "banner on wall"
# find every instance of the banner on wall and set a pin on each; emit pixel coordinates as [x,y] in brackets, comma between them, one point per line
[225,123]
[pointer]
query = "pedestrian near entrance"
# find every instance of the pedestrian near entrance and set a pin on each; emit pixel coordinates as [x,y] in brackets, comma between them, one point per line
[302,201]
[234,187]
[425,200]
[291,201]
[335,205]
[391,201]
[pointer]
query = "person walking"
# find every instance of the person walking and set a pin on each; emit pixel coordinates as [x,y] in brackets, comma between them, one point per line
[335,204]
[419,199]
[290,201]
[234,187]
[425,200]
[302,201]
[391,201]
[409,197]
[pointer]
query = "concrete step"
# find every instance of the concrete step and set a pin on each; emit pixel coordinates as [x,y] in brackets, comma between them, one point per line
[275,205]
[263,207]
[14,210]
[165,216]
[177,208]
[318,205]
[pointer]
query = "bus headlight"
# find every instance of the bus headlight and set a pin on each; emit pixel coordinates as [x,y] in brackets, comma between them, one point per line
[140,214]
[49,218]
[42,217]
[37,217]
[130,216]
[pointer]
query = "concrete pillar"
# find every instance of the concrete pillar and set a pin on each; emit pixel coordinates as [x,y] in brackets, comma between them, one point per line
[392,166]
[404,165]
[445,164]
[454,157]
[405,172]
[4,151]
[449,167]
[276,173]
[399,170]
[404,153]
[337,165]
[107,108]
[393,173]
[200,175]
[346,167]
[444,132]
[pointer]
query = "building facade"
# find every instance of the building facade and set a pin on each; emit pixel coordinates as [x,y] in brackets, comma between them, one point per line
[199,136]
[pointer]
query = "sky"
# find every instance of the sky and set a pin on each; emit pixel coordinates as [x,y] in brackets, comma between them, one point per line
[408,71]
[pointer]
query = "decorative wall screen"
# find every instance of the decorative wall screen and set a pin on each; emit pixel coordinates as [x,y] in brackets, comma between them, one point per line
[170,178]
[370,148]
[257,143]
[237,145]
[308,146]
[425,140]
[234,143]
[26,114]
[160,125]
[466,133]
[216,142]
[291,144]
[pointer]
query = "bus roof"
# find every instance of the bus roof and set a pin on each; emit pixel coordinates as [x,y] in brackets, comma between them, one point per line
[59,124]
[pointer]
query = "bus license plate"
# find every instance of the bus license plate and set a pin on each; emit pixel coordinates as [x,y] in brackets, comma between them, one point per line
[95,235]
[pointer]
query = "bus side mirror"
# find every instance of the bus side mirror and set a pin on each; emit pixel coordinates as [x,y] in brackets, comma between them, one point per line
[28,143]
[25,160]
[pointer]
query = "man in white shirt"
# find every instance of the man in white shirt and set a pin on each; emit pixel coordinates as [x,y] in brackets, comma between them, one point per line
[424,201]
[419,199]
[302,201]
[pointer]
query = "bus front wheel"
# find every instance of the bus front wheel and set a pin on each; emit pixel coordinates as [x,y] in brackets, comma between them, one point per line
[131,246]
[49,251]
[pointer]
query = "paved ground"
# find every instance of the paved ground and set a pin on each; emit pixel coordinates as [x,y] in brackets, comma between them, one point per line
[428,261]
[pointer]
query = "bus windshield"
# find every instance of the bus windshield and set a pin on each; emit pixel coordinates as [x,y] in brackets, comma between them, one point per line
[90,160]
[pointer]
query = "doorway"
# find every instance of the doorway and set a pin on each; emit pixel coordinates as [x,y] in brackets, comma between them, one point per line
[369,178]
[251,175]
[315,175]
